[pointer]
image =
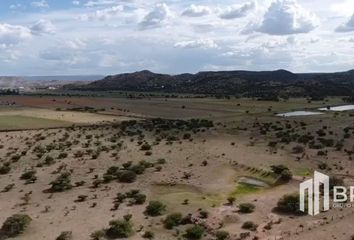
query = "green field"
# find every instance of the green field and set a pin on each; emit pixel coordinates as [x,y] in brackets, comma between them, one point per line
[23,122]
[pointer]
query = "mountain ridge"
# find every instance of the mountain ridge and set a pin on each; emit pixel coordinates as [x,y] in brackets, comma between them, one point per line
[238,82]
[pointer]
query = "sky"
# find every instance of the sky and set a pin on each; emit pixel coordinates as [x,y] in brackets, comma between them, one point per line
[75,37]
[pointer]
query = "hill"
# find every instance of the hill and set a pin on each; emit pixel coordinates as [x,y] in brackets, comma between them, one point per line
[265,84]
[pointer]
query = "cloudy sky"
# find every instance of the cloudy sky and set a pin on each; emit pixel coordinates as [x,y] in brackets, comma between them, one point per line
[47,37]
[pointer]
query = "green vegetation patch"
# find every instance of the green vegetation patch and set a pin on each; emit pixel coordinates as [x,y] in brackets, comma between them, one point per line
[175,197]
[23,122]
[303,172]
[244,188]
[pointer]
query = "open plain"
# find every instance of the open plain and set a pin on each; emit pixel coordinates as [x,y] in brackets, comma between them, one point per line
[73,164]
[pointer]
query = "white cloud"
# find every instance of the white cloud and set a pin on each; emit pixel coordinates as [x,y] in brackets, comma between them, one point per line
[16,6]
[40,4]
[343,7]
[75,44]
[196,11]
[348,26]
[237,11]
[76,2]
[103,14]
[13,34]
[200,43]
[285,17]
[156,17]
[42,26]
[98,3]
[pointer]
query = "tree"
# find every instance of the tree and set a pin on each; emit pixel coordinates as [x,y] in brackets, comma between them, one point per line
[15,225]
[155,208]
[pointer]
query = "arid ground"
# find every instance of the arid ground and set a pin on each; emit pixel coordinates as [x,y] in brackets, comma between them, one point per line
[73,164]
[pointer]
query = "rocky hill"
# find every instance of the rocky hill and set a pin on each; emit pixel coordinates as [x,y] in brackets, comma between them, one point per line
[243,83]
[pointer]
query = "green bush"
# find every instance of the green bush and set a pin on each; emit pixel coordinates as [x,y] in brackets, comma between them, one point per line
[155,208]
[146,147]
[97,235]
[194,233]
[119,229]
[289,203]
[49,160]
[127,176]
[61,183]
[172,220]
[29,176]
[246,207]
[65,236]
[15,225]
[5,169]
[249,225]
[148,235]
[222,235]
[278,169]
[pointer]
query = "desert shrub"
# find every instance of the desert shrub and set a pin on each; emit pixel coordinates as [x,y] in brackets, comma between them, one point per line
[67,235]
[139,198]
[97,235]
[62,155]
[161,161]
[138,169]
[61,183]
[15,158]
[119,229]
[247,207]
[148,235]
[127,165]
[194,233]
[231,200]
[155,208]
[146,147]
[127,176]
[249,225]
[283,171]
[298,149]
[289,203]
[203,214]
[49,160]
[5,169]
[286,175]
[8,188]
[187,136]
[29,176]
[278,169]
[172,220]
[222,235]
[15,225]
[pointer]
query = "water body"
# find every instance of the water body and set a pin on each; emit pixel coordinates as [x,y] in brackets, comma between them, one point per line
[253,181]
[338,108]
[298,113]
